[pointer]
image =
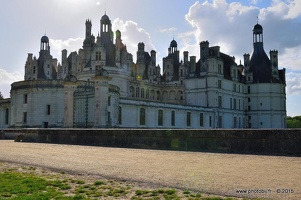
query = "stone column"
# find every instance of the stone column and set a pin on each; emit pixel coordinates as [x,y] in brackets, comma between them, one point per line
[101,84]
[69,88]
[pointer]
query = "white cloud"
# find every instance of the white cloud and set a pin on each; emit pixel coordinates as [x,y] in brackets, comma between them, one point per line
[71,44]
[293,82]
[132,34]
[6,78]
[168,30]
[230,25]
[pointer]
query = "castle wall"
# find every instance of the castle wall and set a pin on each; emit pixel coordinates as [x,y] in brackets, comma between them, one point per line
[247,141]
[37,104]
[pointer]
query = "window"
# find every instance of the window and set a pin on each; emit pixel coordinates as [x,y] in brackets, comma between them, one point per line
[25,117]
[173,118]
[25,99]
[34,70]
[201,119]
[147,93]
[48,109]
[137,92]
[234,87]
[219,84]
[98,56]
[219,68]
[160,117]
[142,116]
[188,119]
[234,122]
[109,118]
[249,89]
[6,115]
[97,67]
[120,115]
[210,121]
[234,104]
[109,100]
[142,92]
[220,122]
[219,101]
[231,103]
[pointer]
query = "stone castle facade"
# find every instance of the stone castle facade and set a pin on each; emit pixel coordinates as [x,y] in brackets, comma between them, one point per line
[101,86]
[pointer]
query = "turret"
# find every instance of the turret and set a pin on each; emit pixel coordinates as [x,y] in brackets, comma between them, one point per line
[140,53]
[204,53]
[274,63]
[259,62]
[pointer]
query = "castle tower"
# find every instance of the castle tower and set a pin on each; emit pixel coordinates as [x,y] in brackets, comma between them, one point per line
[204,53]
[45,44]
[259,62]
[106,27]
[274,63]
[106,37]
[88,28]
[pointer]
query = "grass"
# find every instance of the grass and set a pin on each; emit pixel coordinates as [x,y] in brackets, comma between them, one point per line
[26,183]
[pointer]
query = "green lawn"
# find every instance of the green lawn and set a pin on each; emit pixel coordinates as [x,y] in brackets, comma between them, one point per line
[26,184]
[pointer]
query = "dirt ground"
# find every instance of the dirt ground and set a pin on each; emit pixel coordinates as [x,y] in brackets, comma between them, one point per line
[271,177]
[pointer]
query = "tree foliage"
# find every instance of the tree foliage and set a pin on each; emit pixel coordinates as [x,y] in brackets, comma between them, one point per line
[294,122]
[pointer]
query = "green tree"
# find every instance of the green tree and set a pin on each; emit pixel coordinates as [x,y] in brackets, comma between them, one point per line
[293,122]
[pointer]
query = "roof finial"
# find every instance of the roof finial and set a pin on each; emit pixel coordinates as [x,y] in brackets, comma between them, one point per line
[257,19]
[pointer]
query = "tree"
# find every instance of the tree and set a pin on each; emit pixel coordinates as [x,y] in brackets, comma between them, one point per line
[293,122]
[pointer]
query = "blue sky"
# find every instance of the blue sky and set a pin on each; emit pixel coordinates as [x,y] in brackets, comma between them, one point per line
[227,23]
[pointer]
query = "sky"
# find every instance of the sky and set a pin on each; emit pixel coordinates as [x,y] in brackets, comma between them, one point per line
[224,23]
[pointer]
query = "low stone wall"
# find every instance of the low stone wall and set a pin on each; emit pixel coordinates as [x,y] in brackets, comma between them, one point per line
[10,134]
[248,141]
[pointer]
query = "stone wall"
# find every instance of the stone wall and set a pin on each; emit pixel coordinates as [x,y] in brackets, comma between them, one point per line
[248,141]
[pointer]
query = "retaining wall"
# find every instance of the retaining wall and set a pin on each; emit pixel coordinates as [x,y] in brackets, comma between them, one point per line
[249,141]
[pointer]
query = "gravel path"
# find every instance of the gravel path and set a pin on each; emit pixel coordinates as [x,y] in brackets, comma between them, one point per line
[221,174]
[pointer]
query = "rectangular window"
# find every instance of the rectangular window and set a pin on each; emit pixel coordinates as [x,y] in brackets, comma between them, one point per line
[109,118]
[234,87]
[231,103]
[234,106]
[219,101]
[210,121]
[234,122]
[142,116]
[25,99]
[97,67]
[98,56]
[25,117]
[48,109]
[220,121]
[160,117]
[201,119]
[109,100]
[173,121]
[188,119]
[249,89]
[219,68]
[219,84]
[6,115]
[120,115]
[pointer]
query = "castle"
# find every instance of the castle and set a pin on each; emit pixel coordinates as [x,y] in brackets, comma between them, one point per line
[101,86]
